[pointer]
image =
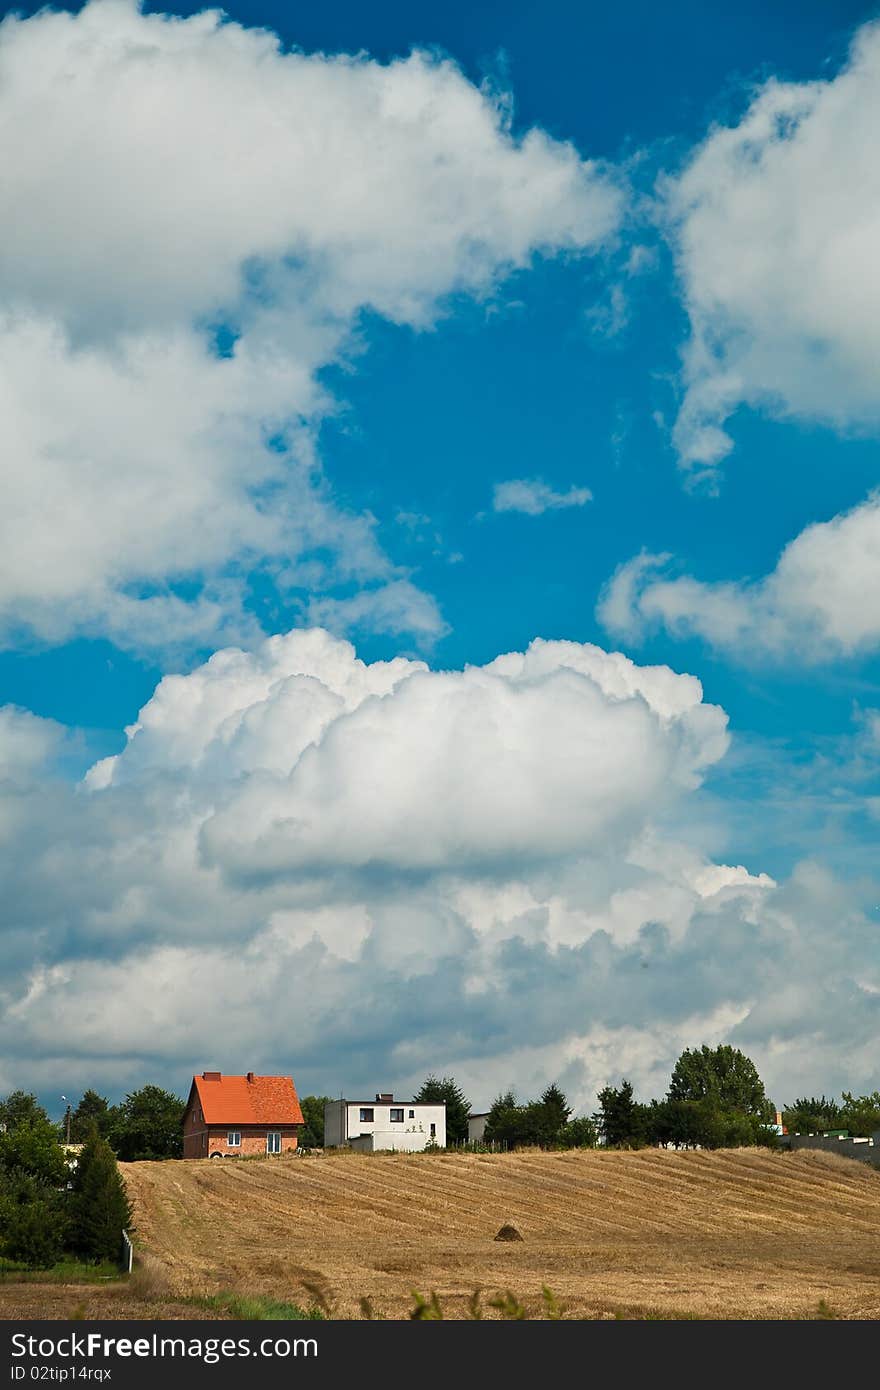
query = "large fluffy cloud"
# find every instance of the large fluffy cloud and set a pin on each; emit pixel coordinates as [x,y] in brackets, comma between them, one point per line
[531,757]
[194,219]
[365,871]
[775,222]
[821,603]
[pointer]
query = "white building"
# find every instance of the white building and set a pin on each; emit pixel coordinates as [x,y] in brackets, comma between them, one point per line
[477,1126]
[384,1123]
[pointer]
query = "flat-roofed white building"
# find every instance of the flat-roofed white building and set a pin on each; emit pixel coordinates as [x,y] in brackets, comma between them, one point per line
[384,1123]
[477,1126]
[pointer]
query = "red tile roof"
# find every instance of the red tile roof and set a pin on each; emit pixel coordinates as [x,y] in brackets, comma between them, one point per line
[248,1100]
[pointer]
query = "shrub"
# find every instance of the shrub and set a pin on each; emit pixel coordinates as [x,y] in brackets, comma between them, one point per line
[34,1223]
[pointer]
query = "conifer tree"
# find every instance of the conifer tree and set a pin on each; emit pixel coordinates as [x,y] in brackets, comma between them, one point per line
[434,1090]
[99,1206]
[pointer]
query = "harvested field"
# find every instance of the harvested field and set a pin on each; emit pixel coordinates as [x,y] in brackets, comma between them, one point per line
[27,1302]
[734,1234]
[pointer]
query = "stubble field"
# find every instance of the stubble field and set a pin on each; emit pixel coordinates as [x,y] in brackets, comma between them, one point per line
[734,1234]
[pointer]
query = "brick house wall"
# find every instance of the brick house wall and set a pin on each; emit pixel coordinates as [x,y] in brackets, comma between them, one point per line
[195,1134]
[253,1139]
[202,1140]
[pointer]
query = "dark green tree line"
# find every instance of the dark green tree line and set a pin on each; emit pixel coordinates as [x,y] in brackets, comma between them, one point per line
[543,1123]
[51,1204]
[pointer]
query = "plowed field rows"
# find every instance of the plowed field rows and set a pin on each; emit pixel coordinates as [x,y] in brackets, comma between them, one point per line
[743,1233]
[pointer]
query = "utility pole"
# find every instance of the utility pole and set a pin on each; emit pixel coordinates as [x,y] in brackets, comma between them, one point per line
[67,1120]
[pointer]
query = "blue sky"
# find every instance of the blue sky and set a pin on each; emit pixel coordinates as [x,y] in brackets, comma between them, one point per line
[676,293]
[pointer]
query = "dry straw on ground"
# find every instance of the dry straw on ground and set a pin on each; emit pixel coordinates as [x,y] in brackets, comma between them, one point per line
[740,1233]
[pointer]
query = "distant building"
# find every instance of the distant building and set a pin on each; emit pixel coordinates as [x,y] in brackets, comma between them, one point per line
[227,1116]
[384,1123]
[839,1141]
[477,1126]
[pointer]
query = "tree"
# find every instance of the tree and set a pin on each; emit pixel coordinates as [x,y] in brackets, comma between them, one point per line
[148,1124]
[811,1115]
[704,1124]
[504,1122]
[32,1148]
[579,1133]
[33,1220]
[860,1114]
[312,1135]
[20,1107]
[554,1111]
[99,1207]
[33,1180]
[621,1120]
[434,1091]
[724,1075]
[92,1110]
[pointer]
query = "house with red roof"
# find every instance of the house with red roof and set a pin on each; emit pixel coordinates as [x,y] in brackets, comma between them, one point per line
[227,1116]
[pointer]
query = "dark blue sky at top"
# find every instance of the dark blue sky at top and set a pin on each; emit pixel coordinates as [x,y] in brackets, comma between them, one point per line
[430,421]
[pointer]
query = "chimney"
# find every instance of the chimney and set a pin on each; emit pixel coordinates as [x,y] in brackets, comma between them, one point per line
[250,1076]
[211,1076]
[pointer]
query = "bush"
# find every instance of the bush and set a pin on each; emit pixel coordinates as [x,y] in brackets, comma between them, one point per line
[33,1221]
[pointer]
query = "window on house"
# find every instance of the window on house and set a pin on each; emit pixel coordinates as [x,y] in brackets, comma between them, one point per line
[433,1131]
[233,1139]
[412,1114]
[273,1141]
[366,1114]
[396,1115]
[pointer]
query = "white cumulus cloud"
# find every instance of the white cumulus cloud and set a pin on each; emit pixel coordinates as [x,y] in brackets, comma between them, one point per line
[533,755]
[403,865]
[174,179]
[821,603]
[775,222]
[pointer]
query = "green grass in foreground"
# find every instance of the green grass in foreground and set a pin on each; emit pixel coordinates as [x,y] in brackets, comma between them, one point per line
[258,1308]
[64,1272]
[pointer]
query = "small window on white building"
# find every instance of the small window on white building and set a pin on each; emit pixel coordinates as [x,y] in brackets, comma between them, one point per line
[233,1139]
[396,1115]
[366,1114]
[412,1114]
[273,1141]
[433,1131]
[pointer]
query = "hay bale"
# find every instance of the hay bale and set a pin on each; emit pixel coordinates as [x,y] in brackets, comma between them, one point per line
[508,1232]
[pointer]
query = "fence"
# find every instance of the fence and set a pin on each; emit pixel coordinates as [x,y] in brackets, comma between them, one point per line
[479,1146]
[865,1150]
[127,1256]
